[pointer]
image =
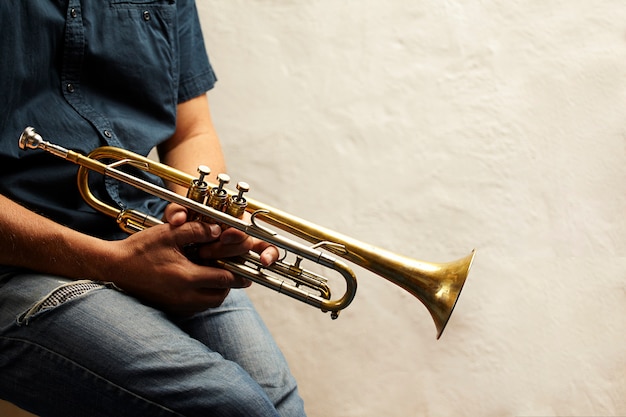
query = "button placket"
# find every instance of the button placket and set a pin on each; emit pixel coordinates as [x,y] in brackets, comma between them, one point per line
[73,43]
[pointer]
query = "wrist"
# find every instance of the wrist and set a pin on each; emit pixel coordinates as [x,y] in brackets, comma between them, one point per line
[103,260]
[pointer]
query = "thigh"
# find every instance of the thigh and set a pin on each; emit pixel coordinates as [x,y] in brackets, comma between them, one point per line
[237,332]
[99,352]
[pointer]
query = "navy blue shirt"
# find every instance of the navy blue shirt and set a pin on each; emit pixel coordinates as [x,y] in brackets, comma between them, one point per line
[88,73]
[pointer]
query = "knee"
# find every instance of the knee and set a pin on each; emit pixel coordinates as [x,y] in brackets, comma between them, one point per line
[246,397]
[237,397]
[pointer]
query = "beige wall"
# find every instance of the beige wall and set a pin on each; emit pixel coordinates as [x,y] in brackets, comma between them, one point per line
[430,128]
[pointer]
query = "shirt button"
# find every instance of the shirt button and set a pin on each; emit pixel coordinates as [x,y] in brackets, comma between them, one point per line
[146,15]
[70,88]
[108,133]
[73,13]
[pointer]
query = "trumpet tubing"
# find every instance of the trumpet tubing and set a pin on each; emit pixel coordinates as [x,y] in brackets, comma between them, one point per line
[436,285]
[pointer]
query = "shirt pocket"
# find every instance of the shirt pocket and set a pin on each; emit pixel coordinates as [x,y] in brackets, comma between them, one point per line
[132,57]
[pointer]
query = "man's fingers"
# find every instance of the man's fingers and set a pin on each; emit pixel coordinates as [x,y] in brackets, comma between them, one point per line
[196,232]
[269,255]
[217,278]
[175,214]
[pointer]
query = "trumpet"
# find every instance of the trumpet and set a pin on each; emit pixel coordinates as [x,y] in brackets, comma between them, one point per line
[436,285]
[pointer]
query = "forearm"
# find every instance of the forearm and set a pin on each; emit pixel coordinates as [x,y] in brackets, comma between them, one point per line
[195,141]
[37,243]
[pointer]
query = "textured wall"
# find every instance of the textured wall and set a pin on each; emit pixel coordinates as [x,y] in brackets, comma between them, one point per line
[430,128]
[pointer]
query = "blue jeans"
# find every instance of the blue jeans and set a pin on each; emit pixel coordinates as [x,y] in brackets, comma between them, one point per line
[78,348]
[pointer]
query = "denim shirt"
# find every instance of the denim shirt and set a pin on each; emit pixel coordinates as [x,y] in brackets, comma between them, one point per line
[88,73]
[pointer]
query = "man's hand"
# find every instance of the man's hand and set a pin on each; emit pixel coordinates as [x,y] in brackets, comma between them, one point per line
[231,242]
[155,268]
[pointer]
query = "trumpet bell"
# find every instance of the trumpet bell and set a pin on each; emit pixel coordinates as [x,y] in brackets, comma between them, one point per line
[437,286]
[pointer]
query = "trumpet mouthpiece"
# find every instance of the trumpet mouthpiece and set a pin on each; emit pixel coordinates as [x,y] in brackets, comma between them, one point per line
[30,139]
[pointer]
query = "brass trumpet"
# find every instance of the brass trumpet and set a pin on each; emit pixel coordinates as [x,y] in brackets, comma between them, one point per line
[436,285]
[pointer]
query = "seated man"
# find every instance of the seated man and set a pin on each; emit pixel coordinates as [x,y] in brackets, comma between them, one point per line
[94,322]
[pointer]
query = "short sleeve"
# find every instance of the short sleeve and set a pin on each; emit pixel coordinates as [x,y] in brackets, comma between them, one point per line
[196,75]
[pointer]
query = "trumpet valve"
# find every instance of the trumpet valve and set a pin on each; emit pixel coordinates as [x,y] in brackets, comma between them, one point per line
[218,196]
[237,204]
[203,171]
[198,189]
